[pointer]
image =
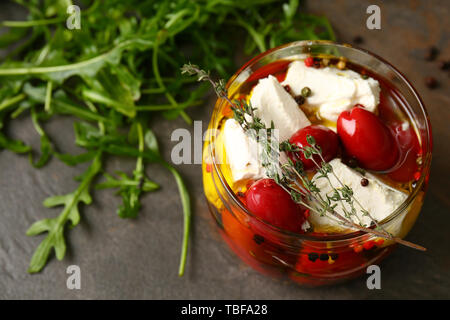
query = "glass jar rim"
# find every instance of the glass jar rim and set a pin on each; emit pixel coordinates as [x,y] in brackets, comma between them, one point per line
[426,158]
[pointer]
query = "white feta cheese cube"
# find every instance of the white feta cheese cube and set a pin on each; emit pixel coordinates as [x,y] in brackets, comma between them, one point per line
[333,90]
[241,153]
[379,199]
[274,103]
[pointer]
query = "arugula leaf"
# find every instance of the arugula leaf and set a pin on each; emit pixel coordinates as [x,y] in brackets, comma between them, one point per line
[121,67]
[16,146]
[73,160]
[55,226]
[46,146]
[86,68]
[131,188]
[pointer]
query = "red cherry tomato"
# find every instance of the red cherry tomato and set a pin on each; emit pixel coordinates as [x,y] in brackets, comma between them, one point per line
[367,139]
[325,138]
[409,148]
[268,201]
[274,68]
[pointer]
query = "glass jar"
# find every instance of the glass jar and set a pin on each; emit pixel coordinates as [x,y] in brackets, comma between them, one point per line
[308,259]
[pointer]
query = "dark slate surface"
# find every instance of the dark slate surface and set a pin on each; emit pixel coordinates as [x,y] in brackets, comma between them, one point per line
[139,259]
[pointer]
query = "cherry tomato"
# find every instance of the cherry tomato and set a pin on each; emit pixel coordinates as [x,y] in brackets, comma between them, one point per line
[409,148]
[367,139]
[268,201]
[325,138]
[275,68]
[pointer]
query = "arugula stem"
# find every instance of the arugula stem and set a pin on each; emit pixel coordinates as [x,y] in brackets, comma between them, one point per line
[161,83]
[163,107]
[48,97]
[94,96]
[11,101]
[31,23]
[153,90]
[66,67]
[139,165]
[186,202]
[79,112]
[84,185]
[92,107]
[257,37]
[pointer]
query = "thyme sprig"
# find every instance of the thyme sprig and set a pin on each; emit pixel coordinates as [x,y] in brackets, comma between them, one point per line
[290,175]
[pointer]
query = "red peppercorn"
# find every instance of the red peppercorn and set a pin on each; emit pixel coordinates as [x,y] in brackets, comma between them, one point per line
[369,244]
[306,213]
[379,241]
[208,167]
[288,89]
[431,82]
[358,248]
[417,176]
[309,62]
[364,182]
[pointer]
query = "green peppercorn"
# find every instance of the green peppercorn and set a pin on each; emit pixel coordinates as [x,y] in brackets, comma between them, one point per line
[306,92]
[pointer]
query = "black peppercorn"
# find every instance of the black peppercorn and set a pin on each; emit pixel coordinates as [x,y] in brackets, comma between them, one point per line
[334,256]
[240,194]
[358,40]
[258,239]
[300,100]
[352,163]
[323,257]
[317,63]
[364,182]
[431,53]
[313,256]
[444,65]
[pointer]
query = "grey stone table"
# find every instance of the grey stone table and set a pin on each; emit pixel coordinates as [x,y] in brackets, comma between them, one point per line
[139,259]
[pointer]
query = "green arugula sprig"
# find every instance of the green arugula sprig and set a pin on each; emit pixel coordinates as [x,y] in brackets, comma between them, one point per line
[117,71]
[70,214]
[131,188]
